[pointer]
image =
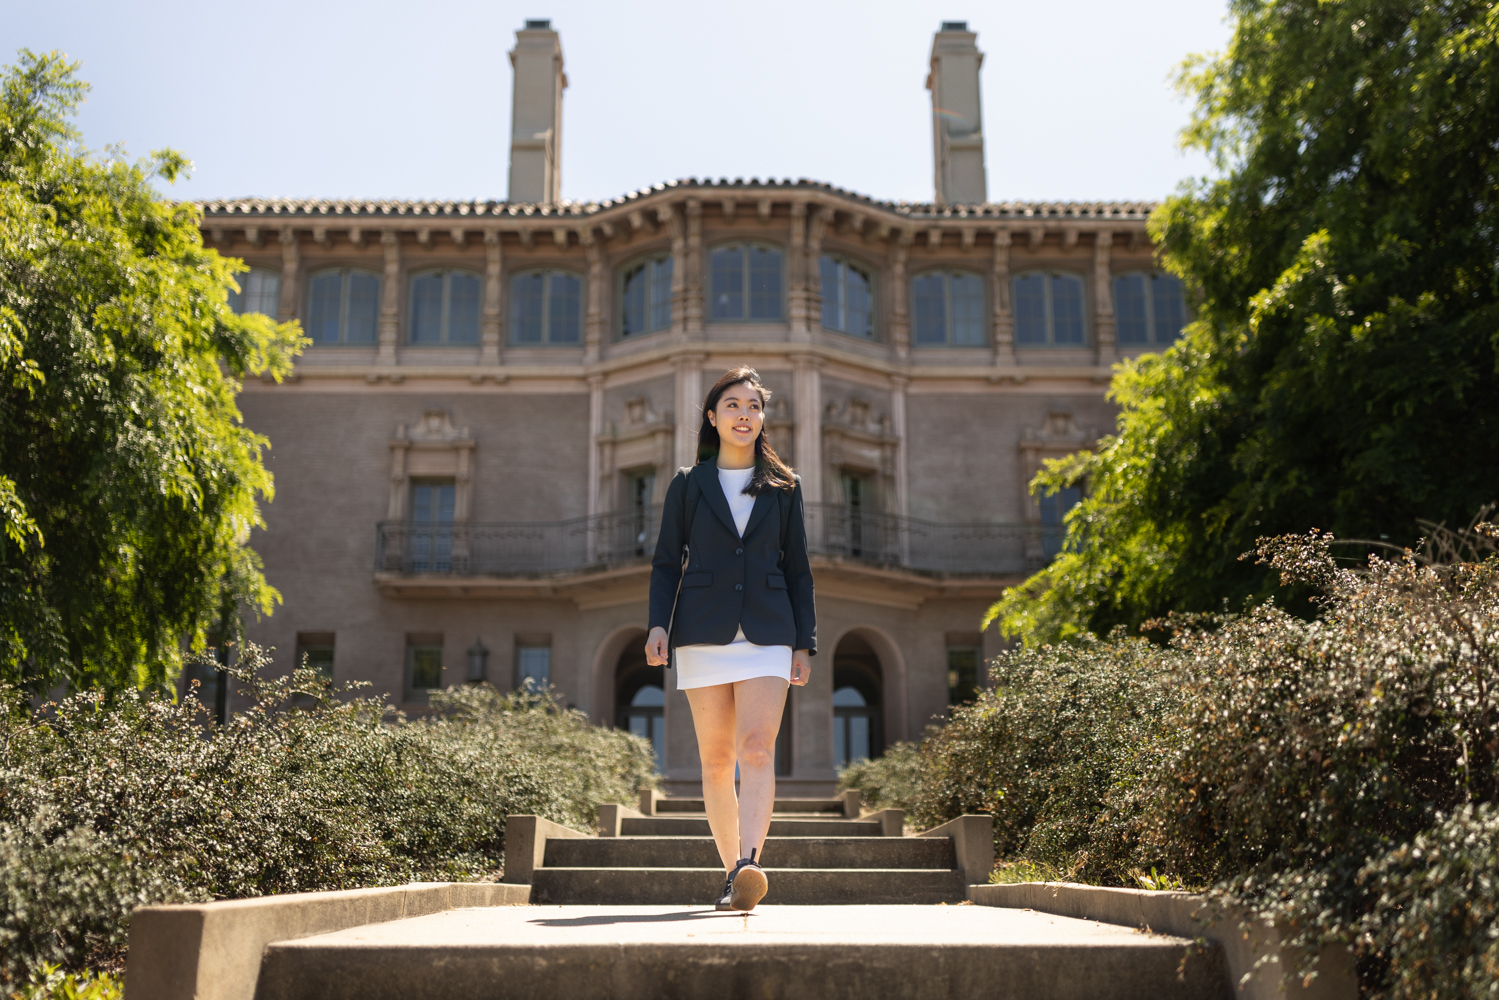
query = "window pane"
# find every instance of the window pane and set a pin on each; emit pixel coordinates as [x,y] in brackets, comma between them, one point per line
[526,301]
[649,696]
[1067,309]
[633,321]
[565,315]
[967,309]
[322,307]
[432,503]
[1170,307]
[660,317]
[364,308]
[727,267]
[858,303]
[840,742]
[832,294]
[765,283]
[1129,309]
[262,292]
[237,299]
[463,308]
[962,674]
[1054,508]
[426,669]
[533,665]
[858,738]
[929,297]
[1030,309]
[426,309]
[848,697]
[320,659]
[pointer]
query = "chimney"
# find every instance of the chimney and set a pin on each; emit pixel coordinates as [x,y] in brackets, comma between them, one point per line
[536,115]
[957,119]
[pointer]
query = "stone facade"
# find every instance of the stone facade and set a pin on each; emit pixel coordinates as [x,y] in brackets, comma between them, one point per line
[548,460]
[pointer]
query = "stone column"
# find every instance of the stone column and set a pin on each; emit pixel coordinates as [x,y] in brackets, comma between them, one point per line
[900,316]
[693,286]
[796,268]
[668,216]
[492,335]
[1103,300]
[689,415]
[291,260]
[806,388]
[815,229]
[390,298]
[593,319]
[595,427]
[1003,319]
[898,385]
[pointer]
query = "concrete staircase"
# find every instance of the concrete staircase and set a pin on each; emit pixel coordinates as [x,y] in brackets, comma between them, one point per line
[819,852]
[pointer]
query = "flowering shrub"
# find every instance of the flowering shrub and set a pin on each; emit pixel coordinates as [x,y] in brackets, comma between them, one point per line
[1340,775]
[110,803]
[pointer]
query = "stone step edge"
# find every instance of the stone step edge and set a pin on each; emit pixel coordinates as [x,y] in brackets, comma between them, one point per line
[848,803]
[197,950]
[1256,960]
[769,871]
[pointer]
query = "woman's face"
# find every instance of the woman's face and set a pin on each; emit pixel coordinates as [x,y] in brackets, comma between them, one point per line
[739,415]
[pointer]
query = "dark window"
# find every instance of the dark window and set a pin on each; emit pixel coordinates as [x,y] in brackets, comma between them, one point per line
[315,652]
[858,731]
[645,298]
[745,283]
[445,307]
[963,673]
[949,308]
[1054,508]
[343,307]
[1049,309]
[640,702]
[431,530]
[1149,308]
[546,307]
[533,666]
[423,666]
[259,292]
[847,299]
[857,503]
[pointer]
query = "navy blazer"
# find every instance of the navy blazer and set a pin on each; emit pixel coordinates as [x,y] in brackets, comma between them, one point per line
[732,582]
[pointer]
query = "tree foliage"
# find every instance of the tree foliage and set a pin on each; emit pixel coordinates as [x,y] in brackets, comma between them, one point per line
[1341,372]
[128,482]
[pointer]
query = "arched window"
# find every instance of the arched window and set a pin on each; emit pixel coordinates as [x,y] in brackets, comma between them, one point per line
[1049,309]
[445,307]
[343,306]
[546,307]
[645,297]
[857,705]
[1150,308]
[847,297]
[745,283]
[949,308]
[259,292]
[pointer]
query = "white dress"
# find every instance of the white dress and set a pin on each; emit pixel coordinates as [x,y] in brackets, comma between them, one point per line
[706,665]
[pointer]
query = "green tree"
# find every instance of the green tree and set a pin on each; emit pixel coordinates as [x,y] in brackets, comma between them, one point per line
[1341,371]
[128,483]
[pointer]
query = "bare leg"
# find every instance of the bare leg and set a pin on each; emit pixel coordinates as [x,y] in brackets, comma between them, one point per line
[758,703]
[713,718]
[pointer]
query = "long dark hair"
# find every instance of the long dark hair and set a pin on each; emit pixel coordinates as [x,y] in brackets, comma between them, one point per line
[770,472]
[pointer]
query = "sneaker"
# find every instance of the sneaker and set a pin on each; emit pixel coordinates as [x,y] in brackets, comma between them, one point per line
[748,884]
[728,892]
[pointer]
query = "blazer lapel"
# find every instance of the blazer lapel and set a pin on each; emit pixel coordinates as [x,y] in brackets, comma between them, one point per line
[763,503]
[713,493]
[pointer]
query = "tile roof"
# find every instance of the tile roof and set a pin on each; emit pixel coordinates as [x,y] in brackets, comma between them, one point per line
[385,208]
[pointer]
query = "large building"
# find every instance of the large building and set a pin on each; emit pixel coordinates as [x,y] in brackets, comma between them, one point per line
[470,456]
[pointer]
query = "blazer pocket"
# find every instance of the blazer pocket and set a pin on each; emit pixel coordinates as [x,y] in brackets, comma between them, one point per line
[698,580]
[776,581]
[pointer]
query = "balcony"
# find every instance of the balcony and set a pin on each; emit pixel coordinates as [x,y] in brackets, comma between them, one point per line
[548,558]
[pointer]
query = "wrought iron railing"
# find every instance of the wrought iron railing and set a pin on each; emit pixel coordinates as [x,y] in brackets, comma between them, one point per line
[624,536]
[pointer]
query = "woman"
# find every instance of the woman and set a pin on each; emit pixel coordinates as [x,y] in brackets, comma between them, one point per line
[731,594]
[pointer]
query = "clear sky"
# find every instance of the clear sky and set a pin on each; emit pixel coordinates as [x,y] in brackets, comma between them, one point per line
[310,98]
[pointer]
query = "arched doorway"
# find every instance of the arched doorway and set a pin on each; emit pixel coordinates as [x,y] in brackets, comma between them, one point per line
[858,702]
[640,701]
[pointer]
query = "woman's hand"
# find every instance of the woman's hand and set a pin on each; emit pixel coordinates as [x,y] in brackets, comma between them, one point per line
[801,667]
[655,647]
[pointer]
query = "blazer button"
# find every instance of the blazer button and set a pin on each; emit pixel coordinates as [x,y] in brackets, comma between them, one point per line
[738,586]
[739,552]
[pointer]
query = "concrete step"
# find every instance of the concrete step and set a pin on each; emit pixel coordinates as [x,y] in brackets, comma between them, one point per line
[656,886]
[787,952]
[783,807]
[780,852]
[658,826]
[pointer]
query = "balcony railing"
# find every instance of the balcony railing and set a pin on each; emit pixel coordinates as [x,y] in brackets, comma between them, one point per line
[629,536]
